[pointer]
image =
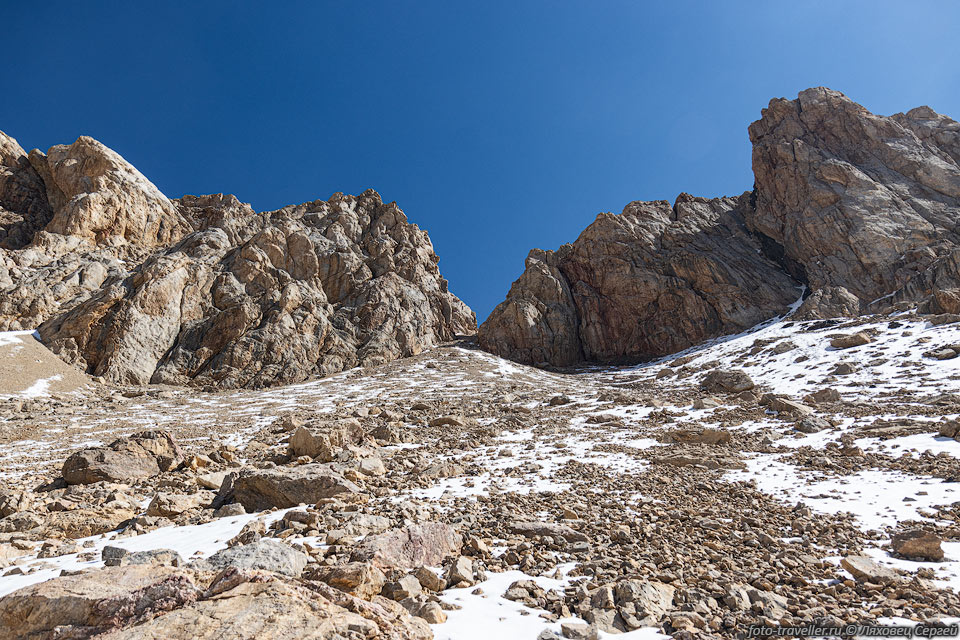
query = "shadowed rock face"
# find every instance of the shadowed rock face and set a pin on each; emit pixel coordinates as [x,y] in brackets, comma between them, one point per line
[653,280]
[861,209]
[137,288]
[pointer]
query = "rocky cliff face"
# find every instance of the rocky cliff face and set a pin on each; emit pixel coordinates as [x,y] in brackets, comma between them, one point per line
[862,210]
[138,288]
[651,281]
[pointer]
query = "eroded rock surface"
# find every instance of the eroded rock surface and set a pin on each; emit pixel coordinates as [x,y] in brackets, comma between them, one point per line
[138,288]
[861,209]
[653,280]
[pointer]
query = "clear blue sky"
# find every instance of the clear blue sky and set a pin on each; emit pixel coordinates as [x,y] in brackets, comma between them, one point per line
[497,126]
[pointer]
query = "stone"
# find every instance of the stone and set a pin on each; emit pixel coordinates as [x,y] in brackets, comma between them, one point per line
[945,301]
[823,396]
[460,572]
[786,405]
[917,544]
[650,599]
[863,569]
[829,302]
[155,557]
[726,381]
[142,455]
[811,424]
[579,631]
[324,442]
[211,480]
[406,587]
[409,547]
[851,340]
[429,580]
[532,528]
[260,489]
[86,522]
[94,601]
[701,436]
[429,611]
[267,555]
[230,510]
[357,578]
[12,501]
[170,505]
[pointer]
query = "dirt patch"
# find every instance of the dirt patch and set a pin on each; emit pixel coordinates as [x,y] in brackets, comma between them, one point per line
[29,369]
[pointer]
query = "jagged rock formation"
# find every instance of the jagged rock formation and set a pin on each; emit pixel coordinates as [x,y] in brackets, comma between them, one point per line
[865,202]
[861,209]
[650,281]
[137,288]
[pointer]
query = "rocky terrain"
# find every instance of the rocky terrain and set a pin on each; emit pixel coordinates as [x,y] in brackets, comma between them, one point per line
[859,210]
[744,411]
[803,471]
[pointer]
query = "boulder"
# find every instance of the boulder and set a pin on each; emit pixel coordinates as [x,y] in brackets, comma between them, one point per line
[917,544]
[142,455]
[530,529]
[357,578]
[261,489]
[726,381]
[864,569]
[95,601]
[851,340]
[267,555]
[829,302]
[409,547]
[170,505]
[322,442]
[161,603]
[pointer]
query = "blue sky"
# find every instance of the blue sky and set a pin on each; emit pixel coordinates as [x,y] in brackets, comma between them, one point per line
[497,126]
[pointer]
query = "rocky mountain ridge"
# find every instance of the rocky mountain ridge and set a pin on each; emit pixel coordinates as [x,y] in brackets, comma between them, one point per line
[137,288]
[861,211]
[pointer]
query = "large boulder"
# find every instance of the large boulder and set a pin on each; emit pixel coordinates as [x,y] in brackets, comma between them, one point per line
[917,544]
[261,489]
[830,302]
[142,455]
[266,555]
[322,441]
[412,546]
[95,601]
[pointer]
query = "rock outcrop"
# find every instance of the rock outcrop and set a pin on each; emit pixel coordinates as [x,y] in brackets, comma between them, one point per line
[862,210]
[856,200]
[137,288]
[653,280]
